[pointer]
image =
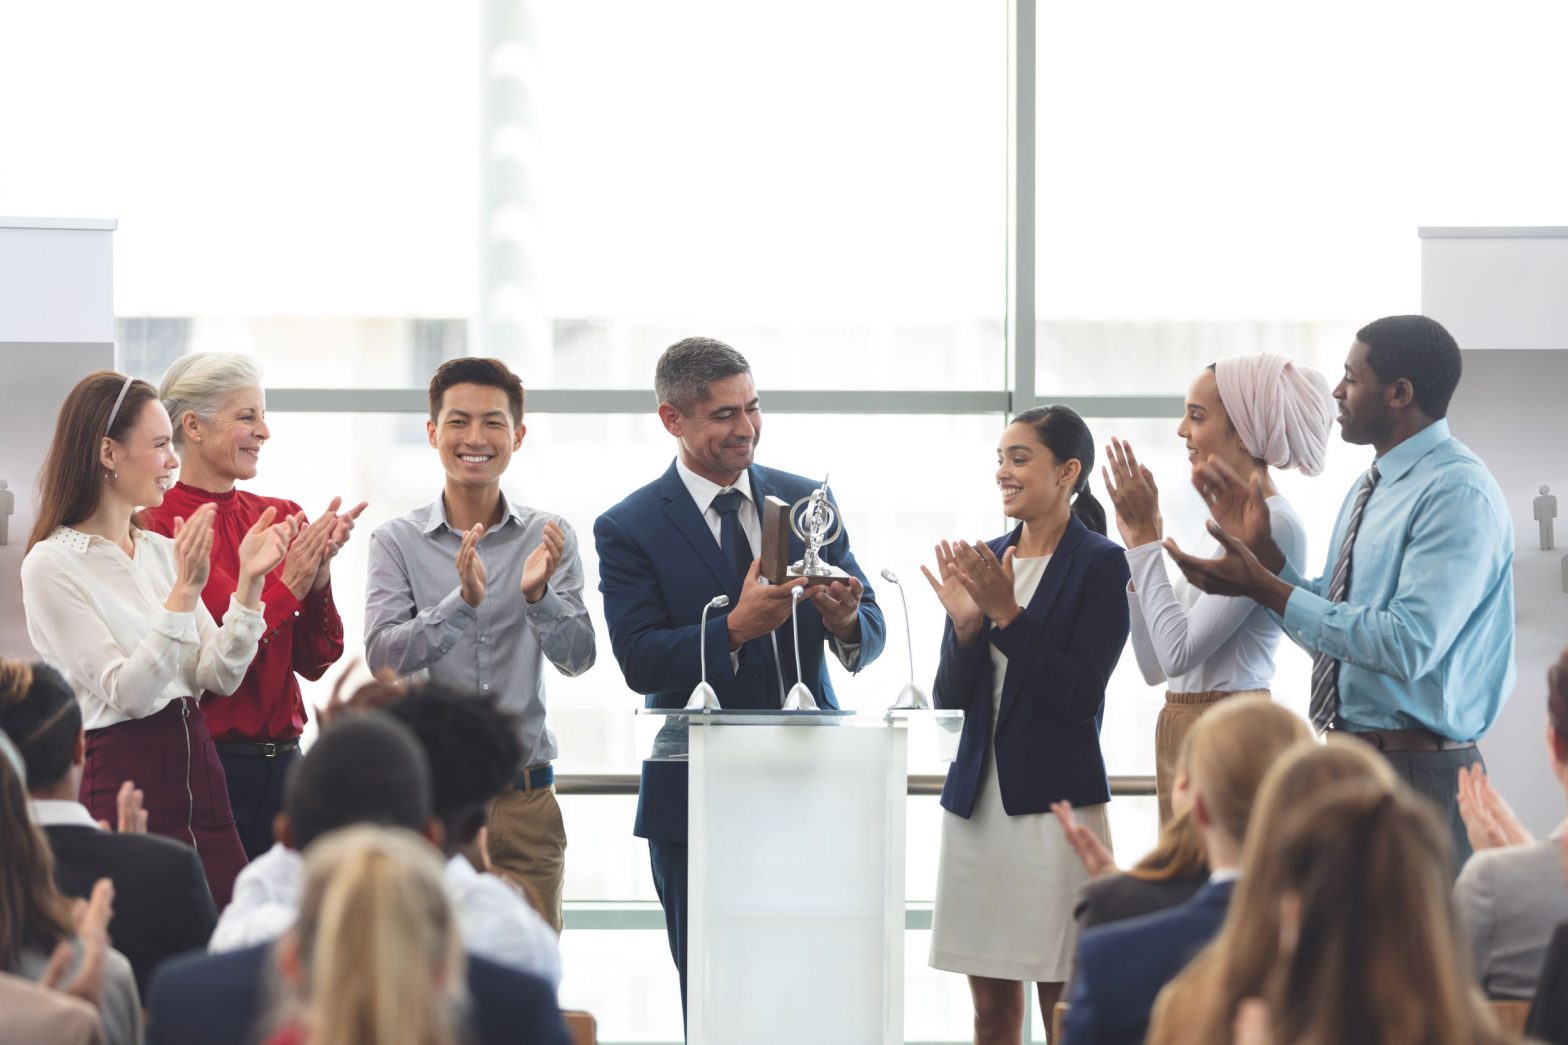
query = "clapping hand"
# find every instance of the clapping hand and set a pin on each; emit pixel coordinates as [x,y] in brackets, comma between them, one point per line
[1096,859]
[470,567]
[1239,507]
[988,580]
[1489,822]
[342,528]
[192,557]
[92,919]
[308,550]
[132,814]
[1134,495]
[542,563]
[385,688]
[961,609]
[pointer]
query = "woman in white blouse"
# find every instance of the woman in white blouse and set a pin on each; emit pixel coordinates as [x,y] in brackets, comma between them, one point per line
[118,610]
[1252,412]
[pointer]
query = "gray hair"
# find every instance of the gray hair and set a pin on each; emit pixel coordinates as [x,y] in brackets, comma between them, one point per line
[200,382]
[688,367]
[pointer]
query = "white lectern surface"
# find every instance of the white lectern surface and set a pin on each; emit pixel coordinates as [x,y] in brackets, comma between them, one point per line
[795,874]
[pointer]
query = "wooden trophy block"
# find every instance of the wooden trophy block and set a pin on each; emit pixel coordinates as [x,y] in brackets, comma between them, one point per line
[775,540]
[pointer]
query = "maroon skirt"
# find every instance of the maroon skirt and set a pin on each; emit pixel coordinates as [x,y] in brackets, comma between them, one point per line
[171,758]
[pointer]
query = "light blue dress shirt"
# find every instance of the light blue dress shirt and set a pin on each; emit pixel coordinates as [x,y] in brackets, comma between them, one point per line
[1425,637]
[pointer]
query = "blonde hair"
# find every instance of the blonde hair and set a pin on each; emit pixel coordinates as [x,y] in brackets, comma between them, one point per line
[1233,747]
[380,957]
[200,382]
[1200,1004]
[1179,851]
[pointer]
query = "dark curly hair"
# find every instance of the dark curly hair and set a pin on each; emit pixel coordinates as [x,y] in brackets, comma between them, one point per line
[473,751]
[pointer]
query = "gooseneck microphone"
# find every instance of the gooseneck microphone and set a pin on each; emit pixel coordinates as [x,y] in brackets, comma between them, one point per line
[912,697]
[703,698]
[799,697]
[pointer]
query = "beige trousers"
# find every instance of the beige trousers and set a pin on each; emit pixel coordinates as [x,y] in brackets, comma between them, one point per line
[1176,719]
[528,844]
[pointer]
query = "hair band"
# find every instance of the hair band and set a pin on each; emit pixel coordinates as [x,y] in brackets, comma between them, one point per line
[117,401]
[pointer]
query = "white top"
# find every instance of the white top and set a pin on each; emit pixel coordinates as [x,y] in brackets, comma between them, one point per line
[56,812]
[1026,579]
[99,618]
[493,918]
[1203,643]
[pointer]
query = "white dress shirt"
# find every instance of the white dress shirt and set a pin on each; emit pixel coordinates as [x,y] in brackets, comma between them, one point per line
[99,618]
[493,918]
[1200,643]
[55,812]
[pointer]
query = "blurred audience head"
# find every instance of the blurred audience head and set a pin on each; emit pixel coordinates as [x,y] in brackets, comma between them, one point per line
[1368,939]
[34,915]
[1557,715]
[39,712]
[375,955]
[365,768]
[1236,964]
[473,752]
[1233,747]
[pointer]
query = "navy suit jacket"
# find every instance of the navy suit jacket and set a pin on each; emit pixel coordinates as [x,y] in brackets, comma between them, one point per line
[658,567]
[223,999]
[1123,966]
[1060,653]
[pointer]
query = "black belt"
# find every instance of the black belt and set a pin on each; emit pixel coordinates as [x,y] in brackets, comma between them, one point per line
[1406,739]
[245,747]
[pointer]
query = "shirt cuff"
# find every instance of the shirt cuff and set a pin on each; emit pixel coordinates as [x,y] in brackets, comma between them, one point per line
[176,625]
[549,609]
[848,653]
[1303,619]
[245,622]
[453,608]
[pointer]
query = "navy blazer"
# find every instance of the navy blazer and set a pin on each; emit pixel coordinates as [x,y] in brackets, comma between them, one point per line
[223,999]
[1060,653]
[1123,966]
[658,567]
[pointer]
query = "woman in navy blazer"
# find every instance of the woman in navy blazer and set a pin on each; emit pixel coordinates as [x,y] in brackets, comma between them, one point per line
[1036,623]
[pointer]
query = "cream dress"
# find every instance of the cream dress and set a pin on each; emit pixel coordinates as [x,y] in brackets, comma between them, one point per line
[1006,885]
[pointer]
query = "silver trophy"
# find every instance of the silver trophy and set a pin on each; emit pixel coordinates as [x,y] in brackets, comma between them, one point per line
[816,523]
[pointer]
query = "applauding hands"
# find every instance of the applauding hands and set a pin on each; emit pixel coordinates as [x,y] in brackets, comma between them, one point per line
[974,584]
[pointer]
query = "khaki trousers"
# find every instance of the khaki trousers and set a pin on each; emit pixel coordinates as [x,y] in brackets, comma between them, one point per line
[528,844]
[1176,719]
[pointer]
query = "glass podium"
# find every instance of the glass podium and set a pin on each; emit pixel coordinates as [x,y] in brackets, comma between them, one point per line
[795,870]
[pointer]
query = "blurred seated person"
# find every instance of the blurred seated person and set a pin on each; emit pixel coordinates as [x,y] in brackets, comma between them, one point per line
[365,768]
[1510,893]
[1121,967]
[163,904]
[40,938]
[472,752]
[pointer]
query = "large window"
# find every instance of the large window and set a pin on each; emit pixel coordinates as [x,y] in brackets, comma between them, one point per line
[353,191]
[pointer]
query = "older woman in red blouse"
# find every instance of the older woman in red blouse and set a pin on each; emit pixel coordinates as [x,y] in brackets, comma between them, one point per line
[218,409]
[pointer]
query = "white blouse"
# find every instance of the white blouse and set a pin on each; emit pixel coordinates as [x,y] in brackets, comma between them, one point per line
[1206,643]
[99,618]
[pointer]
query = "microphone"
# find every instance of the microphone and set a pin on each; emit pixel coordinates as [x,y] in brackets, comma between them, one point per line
[912,697]
[799,697]
[703,698]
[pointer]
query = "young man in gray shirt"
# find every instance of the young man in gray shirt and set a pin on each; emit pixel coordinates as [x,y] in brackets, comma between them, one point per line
[477,593]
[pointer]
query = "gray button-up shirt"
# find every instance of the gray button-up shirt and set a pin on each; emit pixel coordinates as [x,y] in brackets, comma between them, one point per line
[416,619]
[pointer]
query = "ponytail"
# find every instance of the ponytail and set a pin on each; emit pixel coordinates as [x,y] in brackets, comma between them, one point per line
[1089,511]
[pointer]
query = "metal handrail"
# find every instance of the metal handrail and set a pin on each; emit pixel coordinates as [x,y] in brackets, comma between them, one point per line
[922,784]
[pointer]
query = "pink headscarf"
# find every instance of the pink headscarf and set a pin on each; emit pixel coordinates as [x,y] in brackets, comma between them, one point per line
[1283,412]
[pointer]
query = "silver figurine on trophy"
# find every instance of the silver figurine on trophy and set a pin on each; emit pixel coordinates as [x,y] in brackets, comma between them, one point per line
[816,522]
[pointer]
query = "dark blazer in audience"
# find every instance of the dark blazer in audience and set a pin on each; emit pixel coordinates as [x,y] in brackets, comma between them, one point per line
[162,906]
[218,999]
[1118,897]
[1122,967]
[1549,1013]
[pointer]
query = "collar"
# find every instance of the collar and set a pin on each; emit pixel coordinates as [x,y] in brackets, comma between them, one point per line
[58,812]
[226,501]
[1403,457]
[458,870]
[435,515]
[79,542]
[704,490]
[1225,876]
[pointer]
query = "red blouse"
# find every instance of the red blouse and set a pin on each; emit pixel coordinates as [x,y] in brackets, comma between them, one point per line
[302,636]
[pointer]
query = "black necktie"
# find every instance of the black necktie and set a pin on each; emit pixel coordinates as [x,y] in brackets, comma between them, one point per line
[1325,669]
[732,538]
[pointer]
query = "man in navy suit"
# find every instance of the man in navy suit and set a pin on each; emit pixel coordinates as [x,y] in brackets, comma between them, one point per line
[693,534]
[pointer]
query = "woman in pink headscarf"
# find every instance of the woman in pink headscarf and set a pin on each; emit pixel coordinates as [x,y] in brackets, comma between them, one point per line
[1254,413]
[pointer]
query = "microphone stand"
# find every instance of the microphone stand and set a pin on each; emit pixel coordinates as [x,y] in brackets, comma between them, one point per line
[703,698]
[912,697]
[799,697]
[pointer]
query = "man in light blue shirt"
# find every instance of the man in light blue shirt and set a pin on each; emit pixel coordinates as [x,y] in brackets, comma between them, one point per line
[1412,624]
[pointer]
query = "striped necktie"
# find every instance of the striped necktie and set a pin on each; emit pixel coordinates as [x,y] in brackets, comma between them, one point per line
[1325,669]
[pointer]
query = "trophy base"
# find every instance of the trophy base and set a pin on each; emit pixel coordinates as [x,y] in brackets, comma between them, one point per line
[824,574]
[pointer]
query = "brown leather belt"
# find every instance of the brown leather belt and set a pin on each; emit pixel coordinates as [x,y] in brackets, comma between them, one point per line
[1405,739]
